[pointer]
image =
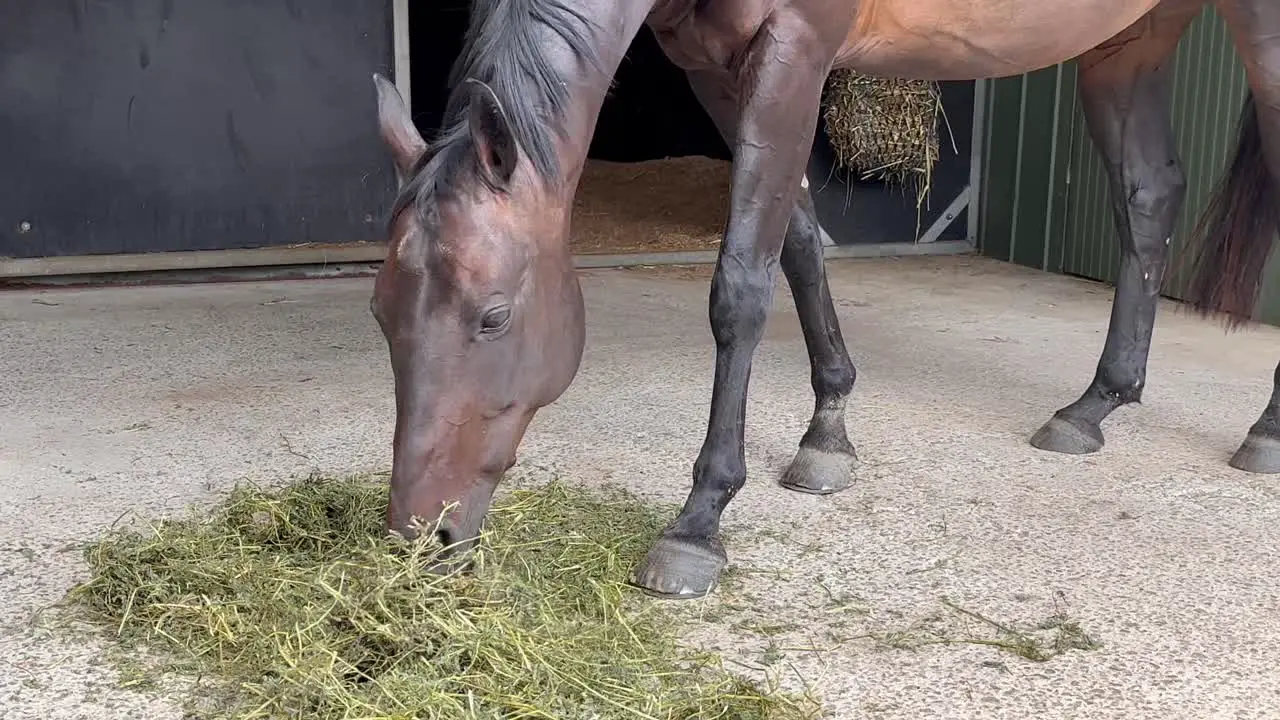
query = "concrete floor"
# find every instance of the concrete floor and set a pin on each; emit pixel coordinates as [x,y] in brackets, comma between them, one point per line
[154,398]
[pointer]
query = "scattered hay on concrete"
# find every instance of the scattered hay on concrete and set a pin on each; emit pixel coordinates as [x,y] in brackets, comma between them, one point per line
[884,128]
[1046,640]
[294,603]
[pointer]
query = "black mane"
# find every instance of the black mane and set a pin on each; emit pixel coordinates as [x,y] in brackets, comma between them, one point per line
[506,47]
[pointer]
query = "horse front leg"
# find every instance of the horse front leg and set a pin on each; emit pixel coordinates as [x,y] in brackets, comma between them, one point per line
[779,84]
[1125,88]
[824,462]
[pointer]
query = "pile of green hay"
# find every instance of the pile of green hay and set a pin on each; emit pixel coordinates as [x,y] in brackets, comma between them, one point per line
[884,128]
[294,603]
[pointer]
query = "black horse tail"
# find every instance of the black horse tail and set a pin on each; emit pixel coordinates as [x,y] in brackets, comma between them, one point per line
[1233,240]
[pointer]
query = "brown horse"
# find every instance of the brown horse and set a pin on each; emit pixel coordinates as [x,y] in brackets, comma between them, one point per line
[480,303]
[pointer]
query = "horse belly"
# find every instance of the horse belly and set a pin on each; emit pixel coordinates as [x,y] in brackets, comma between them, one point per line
[968,39]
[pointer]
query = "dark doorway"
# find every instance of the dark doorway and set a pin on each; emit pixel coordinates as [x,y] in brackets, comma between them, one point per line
[650,114]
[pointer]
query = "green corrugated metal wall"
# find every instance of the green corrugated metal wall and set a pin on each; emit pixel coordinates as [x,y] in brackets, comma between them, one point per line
[1045,198]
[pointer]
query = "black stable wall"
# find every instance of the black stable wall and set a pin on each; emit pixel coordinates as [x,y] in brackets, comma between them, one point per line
[146,125]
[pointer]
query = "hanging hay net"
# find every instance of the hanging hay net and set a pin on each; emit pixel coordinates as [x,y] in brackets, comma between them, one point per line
[884,128]
[292,603]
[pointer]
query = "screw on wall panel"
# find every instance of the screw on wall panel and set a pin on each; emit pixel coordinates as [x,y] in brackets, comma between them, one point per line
[24,227]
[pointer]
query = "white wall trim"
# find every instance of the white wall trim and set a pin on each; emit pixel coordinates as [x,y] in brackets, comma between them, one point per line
[977,201]
[400,49]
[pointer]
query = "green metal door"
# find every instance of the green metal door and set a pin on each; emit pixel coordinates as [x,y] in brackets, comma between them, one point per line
[1046,201]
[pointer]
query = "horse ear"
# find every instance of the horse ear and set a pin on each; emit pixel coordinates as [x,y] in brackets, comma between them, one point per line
[495,144]
[397,128]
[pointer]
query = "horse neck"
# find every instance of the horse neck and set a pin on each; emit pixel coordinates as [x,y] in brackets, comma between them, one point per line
[617,22]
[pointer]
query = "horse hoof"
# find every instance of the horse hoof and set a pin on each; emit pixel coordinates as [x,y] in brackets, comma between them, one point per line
[819,472]
[1258,454]
[1066,436]
[681,568]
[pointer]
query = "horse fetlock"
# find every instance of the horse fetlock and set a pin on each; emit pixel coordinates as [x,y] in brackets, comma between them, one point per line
[833,381]
[827,431]
[1119,388]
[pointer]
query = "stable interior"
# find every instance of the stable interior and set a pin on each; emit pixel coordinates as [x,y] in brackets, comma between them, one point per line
[657,178]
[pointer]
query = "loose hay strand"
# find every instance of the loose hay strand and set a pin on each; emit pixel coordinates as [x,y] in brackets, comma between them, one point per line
[294,603]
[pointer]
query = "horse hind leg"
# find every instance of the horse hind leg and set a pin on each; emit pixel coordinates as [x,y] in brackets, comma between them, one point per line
[1238,232]
[1237,235]
[1260,451]
[1125,89]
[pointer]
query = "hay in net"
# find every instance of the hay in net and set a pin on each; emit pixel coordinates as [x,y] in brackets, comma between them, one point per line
[884,128]
[293,603]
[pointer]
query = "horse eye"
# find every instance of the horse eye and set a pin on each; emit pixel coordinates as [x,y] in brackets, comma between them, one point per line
[496,319]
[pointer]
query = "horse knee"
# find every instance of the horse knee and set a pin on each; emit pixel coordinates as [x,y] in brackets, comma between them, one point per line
[740,296]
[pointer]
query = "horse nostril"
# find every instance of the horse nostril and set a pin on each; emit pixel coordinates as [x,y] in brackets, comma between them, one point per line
[445,536]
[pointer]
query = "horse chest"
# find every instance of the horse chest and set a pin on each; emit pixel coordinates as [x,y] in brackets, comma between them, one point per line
[709,34]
